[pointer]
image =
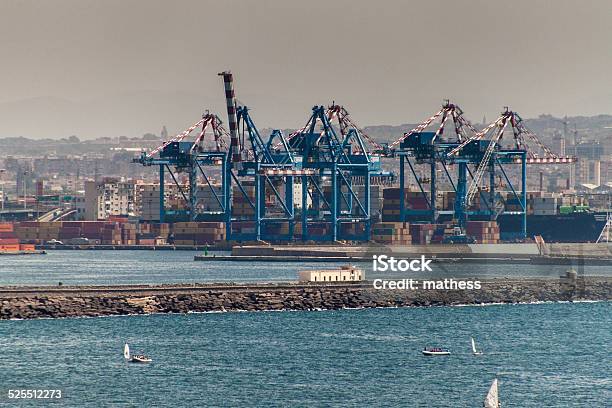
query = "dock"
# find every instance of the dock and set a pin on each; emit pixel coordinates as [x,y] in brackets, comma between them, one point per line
[15,253]
[555,254]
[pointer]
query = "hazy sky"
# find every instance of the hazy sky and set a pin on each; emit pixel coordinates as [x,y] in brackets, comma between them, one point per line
[95,67]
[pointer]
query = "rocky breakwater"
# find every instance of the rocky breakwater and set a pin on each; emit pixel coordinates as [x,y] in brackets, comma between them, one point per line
[29,303]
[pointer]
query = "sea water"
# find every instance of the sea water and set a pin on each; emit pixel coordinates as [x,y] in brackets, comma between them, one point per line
[544,355]
[90,267]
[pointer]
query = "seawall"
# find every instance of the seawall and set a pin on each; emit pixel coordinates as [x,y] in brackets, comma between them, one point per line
[56,302]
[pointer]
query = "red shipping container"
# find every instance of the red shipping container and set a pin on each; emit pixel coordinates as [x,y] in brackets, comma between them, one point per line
[9,241]
[28,224]
[146,241]
[71,224]
[6,227]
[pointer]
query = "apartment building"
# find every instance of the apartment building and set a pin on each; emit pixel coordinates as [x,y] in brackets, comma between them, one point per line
[109,197]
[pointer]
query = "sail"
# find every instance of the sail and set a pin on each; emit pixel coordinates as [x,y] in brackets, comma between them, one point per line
[473,345]
[491,400]
[126,351]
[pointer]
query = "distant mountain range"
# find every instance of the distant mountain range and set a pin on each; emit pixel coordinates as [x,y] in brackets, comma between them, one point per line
[147,111]
[138,113]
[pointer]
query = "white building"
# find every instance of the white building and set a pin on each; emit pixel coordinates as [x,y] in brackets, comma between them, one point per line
[345,274]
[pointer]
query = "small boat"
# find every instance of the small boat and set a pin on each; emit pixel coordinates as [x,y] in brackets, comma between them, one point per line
[492,398]
[135,358]
[435,351]
[474,351]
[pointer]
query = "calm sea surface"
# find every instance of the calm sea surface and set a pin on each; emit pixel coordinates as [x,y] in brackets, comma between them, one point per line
[153,267]
[545,355]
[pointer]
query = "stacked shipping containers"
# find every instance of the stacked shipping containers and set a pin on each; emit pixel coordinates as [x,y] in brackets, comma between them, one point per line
[111,234]
[104,232]
[206,199]
[484,232]
[314,228]
[422,234]
[128,234]
[240,204]
[545,206]
[152,234]
[277,228]
[149,202]
[198,233]
[397,233]
[413,200]
[352,228]
[9,242]
[391,204]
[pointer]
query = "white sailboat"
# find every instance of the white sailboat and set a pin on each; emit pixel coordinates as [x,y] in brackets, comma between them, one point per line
[136,358]
[492,398]
[474,351]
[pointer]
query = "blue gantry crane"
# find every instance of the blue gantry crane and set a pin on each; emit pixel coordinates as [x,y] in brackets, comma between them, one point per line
[336,202]
[429,148]
[489,154]
[464,147]
[200,161]
[331,162]
[258,169]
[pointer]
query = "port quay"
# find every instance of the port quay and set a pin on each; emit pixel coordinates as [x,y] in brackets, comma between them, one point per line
[328,182]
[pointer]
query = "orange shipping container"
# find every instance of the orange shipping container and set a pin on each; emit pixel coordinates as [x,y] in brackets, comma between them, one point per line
[9,248]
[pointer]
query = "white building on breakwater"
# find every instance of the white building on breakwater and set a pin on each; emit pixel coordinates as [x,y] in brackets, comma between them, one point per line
[347,273]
